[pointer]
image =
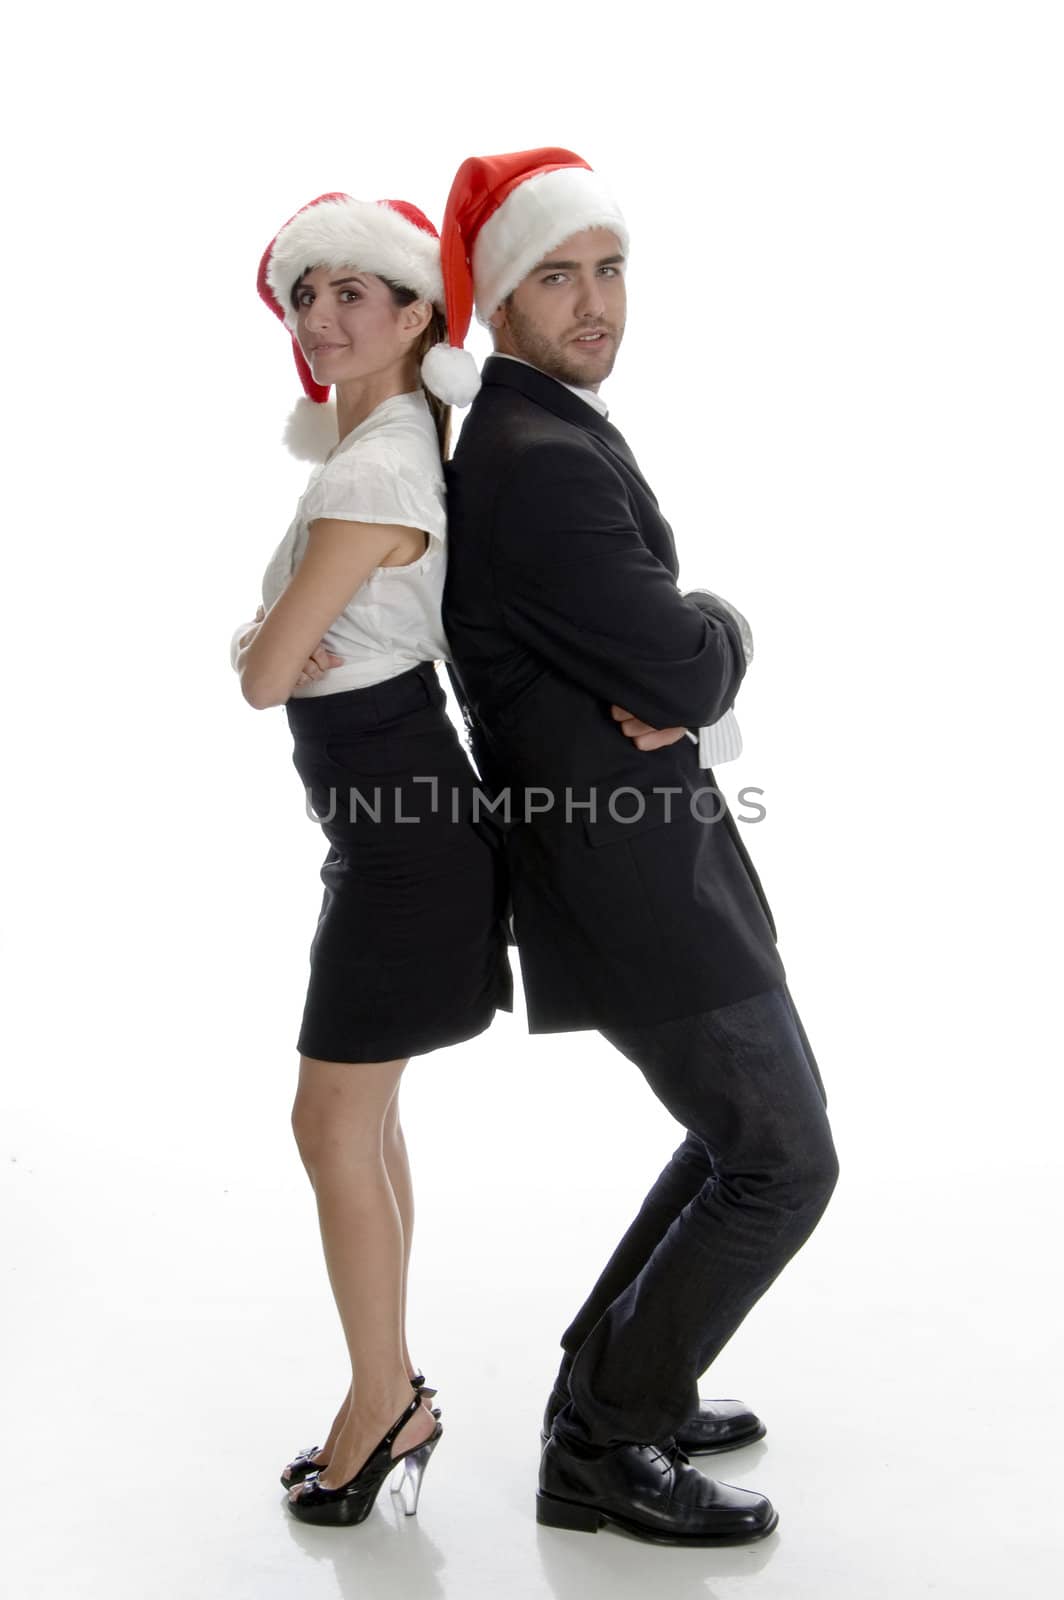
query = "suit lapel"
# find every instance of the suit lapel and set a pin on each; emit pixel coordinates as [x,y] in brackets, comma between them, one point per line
[555,397]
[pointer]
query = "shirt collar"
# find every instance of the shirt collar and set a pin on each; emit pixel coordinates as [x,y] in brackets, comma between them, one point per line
[589,395]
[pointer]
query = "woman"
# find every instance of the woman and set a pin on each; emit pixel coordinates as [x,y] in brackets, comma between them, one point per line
[410,949]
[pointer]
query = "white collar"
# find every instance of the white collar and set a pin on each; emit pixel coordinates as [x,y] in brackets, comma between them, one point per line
[588,395]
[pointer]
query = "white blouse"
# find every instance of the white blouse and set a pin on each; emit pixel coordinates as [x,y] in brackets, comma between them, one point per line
[387,469]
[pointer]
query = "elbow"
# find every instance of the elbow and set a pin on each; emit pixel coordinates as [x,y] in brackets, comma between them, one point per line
[253,698]
[259,696]
[259,681]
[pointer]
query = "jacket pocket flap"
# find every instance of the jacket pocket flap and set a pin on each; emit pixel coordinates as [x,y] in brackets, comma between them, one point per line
[627,811]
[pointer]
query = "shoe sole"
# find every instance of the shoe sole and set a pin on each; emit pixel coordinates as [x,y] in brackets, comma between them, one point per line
[577,1517]
[338,1514]
[708,1449]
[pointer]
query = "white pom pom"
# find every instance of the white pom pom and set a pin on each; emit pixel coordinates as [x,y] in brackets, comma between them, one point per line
[451,374]
[312,429]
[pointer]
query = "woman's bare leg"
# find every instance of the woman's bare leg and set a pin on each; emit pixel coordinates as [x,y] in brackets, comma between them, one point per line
[398,1167]
[339,1119]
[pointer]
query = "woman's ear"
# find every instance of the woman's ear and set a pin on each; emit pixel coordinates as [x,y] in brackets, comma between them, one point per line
[416,317]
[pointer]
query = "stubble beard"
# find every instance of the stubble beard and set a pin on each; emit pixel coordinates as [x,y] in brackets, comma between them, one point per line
[550,357]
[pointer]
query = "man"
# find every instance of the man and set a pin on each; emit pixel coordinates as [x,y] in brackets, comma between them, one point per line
[636,908]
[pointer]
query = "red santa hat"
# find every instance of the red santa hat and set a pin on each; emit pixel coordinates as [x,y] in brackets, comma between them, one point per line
[389,238]
[504,214]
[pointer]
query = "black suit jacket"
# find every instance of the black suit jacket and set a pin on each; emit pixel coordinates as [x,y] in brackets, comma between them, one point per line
[561,599]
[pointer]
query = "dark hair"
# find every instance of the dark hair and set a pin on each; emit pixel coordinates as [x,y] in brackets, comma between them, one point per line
[435,332]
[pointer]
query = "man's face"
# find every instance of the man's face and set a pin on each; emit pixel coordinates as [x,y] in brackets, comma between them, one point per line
[567,317]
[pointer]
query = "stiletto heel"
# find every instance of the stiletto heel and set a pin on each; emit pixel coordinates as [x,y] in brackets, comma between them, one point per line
[407,1481]
[353,1501]
[302,1465]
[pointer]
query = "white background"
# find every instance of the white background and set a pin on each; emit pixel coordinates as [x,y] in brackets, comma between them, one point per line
[842,375]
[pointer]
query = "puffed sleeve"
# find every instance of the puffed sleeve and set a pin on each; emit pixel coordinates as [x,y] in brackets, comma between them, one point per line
[578,585]
[373,483]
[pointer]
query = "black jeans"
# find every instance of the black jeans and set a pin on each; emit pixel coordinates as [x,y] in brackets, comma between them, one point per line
[739,1197]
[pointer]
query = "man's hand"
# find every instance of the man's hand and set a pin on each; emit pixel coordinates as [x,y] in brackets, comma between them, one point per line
[645,737]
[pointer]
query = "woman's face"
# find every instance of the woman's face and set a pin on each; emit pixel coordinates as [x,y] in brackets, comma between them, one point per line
[348,325]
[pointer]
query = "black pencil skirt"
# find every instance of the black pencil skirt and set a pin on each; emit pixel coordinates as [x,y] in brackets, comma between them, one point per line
[410,951]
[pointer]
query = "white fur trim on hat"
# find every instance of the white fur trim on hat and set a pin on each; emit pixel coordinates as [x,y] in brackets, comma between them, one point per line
[534,217]
[451,375]
[368,235]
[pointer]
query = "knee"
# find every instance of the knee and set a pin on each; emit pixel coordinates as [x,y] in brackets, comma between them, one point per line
[322,1137]
[813,1172]
[308,1130]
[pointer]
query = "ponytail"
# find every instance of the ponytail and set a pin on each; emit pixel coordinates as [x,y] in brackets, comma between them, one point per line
[435,332]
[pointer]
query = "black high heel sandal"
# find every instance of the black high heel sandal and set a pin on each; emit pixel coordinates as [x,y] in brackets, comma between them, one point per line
[353,1501]
[303,1464]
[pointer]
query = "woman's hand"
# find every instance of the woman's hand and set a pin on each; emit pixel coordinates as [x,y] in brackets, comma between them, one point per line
[317,665]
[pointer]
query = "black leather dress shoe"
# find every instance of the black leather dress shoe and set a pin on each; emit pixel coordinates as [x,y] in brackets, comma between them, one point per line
[717,1425]
[648,1490]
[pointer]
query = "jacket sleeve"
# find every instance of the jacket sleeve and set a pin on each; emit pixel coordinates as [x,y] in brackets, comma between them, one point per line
[577,585]
[744,626]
